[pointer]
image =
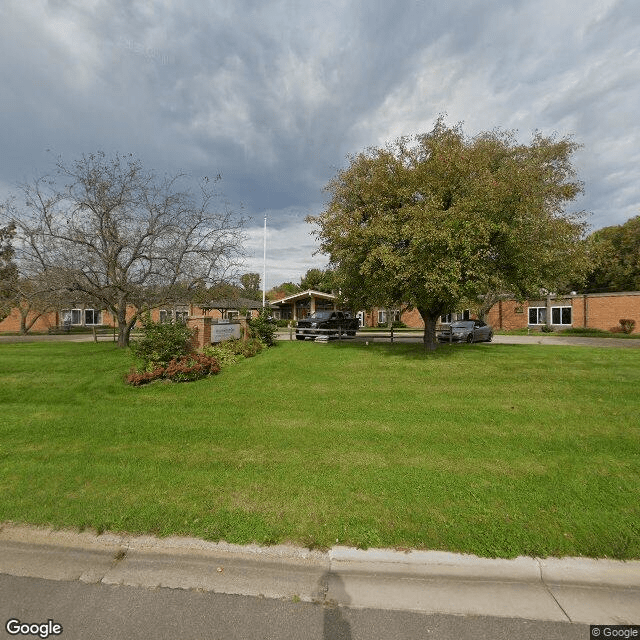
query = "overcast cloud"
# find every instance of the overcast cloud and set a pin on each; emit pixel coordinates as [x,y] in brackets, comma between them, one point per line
[273,95]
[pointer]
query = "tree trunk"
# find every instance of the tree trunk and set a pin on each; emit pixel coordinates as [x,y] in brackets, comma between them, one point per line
[429,336]
[25,326]
[123,329]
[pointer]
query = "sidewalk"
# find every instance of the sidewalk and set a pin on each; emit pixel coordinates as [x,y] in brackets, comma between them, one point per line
[570,590]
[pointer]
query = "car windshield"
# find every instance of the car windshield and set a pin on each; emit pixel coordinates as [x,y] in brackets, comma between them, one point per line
[320,315]
[462,324]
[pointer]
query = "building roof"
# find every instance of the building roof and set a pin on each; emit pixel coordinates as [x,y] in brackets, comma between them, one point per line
[305,294]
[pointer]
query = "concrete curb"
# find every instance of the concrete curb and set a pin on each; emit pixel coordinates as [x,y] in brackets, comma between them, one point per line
[559,589]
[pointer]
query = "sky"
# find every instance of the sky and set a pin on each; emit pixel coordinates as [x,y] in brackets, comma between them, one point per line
[274,95]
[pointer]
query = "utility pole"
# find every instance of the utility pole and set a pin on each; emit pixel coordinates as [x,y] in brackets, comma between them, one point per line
[264,260]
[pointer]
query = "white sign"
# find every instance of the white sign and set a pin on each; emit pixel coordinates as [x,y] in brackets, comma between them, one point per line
[221,332]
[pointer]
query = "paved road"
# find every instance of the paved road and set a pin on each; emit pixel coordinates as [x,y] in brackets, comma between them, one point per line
[73,337]
[416,337]
[117,612]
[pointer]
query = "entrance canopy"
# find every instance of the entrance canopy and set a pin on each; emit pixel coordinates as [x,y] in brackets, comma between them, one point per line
[302,304]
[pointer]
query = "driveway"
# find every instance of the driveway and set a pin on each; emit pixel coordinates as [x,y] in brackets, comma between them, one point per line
[576,341]
[413,336]
[77,337]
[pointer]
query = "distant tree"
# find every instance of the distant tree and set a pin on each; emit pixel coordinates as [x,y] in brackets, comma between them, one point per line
[318,280]
[251,286]
[443,218]
[283,290]
[8,270]
[615,256]
[34,297]
[222,291]
[107,229]
[484,302]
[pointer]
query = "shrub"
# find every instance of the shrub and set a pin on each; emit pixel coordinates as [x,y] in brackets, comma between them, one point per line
[223,353]
[627,325]
[263,328]
[396,324]
[182,369]
[161,343]
[586,331]
[246,348]
[546,328]
[233,350]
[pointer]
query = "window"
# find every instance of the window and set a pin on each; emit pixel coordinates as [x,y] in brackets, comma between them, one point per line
[455,317]
[92,316]
[70,316]
[561,315]
[537,315]
[164,316]
[181,316]
[76,316]
[382,316]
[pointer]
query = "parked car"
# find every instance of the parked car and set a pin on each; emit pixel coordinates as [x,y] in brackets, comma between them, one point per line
[327,323]
[466,331]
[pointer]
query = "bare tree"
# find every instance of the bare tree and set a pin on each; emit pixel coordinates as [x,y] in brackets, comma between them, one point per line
[8,271]
[108,230]
[33,298]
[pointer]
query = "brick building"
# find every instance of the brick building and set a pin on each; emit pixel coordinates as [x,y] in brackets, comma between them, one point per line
[589,310]
[77,315]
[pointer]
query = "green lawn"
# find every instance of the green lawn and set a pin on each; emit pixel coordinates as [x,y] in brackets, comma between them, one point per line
[497,450]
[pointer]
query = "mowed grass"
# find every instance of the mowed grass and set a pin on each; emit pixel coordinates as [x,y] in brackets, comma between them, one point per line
[496,450]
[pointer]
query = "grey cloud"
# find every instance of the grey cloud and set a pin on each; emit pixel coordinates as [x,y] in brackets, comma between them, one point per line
[274,95]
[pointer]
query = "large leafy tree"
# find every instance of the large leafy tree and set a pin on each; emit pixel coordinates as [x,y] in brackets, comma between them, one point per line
[318,280]
[108,230]
[443,218]
[8,270]
[251,286]
[615,252]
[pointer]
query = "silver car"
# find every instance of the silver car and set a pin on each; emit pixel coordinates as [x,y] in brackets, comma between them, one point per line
[466,331]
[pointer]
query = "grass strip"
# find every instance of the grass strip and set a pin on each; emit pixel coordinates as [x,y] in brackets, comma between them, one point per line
[496,450]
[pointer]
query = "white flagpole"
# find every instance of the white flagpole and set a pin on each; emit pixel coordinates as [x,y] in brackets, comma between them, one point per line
[264,272]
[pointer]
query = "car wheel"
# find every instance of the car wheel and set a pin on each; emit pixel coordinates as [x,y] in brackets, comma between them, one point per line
[470,338]
[490,336]
[299,337]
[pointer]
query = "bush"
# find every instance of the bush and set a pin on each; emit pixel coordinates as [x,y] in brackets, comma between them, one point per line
[546,328]
[396,324]
[161,343]
[222,354]
[183,369]
[627,325]
[232,351]
[263,328]
[586,331]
